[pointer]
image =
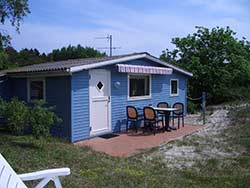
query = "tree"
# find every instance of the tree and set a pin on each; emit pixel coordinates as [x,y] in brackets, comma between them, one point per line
[74,52]
[14,11]
[12,58]
[12,54]
[30,56]
[219,62]
[25,57]
[4,63]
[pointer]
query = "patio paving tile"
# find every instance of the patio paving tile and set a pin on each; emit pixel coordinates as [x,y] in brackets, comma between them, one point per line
[128,144]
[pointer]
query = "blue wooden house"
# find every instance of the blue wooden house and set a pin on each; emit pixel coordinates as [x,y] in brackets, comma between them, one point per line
[91,95]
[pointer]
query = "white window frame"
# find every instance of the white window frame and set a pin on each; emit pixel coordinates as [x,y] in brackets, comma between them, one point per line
[29,80]
[139,97]
[174,94]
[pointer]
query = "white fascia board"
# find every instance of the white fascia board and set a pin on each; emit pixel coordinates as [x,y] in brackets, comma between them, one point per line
[124,59]
[169,65]
[105,63]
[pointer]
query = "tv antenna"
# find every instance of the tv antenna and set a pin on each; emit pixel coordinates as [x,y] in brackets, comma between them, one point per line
[111,47]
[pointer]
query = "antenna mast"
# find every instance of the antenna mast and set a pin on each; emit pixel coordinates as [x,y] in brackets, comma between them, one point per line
[111,48]
[110,45]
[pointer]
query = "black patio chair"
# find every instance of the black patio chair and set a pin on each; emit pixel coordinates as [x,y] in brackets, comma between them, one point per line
[161,114]
[179,114]
[133,117]
[151,121]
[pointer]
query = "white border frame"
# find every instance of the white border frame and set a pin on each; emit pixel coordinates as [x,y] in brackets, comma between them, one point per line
[139,97]
[171,94]
[28,88]
[95,133]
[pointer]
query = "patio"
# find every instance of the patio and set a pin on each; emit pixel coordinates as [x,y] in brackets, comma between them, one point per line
[127,144]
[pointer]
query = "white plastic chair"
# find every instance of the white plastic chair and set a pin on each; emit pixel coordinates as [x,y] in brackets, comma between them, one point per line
[9,178]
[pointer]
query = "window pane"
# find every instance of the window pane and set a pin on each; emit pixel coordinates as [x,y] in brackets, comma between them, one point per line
[146,85]
[174,87]
[138,86]
[36,90]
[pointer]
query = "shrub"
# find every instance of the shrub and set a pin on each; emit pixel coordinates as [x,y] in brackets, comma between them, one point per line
[41,119]
[16,116]
[2,107]
[191,107]
[2,113]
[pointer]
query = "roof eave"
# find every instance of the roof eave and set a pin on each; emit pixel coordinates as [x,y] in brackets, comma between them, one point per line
[40,73]
[124,59]
[169,65]
[106,63]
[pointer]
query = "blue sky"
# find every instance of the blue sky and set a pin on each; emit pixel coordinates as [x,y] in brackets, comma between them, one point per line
[136,25]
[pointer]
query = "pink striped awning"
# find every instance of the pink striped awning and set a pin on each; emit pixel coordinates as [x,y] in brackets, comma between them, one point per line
[139,69]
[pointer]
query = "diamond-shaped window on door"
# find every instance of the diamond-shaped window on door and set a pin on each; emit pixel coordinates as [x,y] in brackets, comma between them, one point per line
[100,85]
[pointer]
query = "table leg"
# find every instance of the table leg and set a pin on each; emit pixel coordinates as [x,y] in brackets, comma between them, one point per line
[167,118]
[167,115]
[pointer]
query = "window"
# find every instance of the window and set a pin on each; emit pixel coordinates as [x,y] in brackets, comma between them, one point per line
[139,86]
[174,88]
[36,90]
[99,85]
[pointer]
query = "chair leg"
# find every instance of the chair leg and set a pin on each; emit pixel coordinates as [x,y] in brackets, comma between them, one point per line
[163,126]
[178,122]
[133,125]
[57,182]
[136,126]
[182,121]
[127,126]
[173,121]
[145,127]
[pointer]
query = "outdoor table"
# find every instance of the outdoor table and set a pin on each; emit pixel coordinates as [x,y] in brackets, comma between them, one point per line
[167,116]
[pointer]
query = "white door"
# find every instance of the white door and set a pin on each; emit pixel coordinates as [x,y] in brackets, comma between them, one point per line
[99,99]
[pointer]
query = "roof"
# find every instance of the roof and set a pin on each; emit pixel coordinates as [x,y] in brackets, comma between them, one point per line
[76,65]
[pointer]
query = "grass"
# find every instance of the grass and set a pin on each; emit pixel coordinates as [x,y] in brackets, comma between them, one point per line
[93,169]
[89,169]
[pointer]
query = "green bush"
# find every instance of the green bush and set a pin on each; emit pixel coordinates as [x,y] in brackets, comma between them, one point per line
[16,116]
[2,107]
[19,116]
[192,107]
[41,119]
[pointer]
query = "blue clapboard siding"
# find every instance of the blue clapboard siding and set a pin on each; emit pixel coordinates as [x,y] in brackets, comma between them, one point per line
[118,100]
[144,62]
[70,95]
[80,106]
[58,95]
[160,91]
[4,87]
[18,88]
